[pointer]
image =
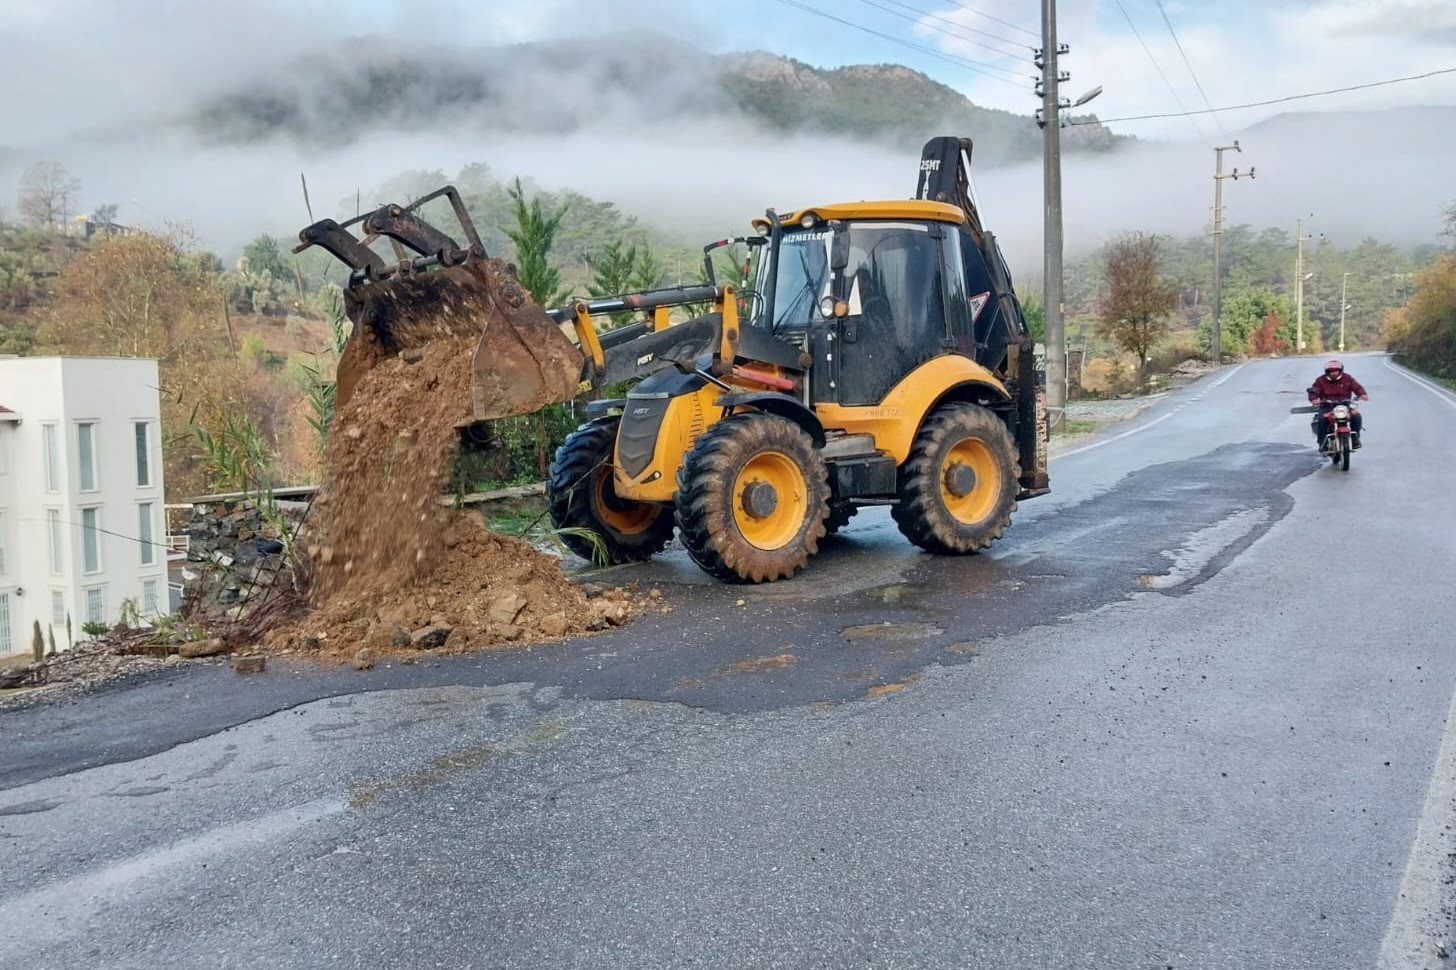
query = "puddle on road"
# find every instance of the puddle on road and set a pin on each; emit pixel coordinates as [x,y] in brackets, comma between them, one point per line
[883,690]
[892,631]
[1190,559]
[756,665]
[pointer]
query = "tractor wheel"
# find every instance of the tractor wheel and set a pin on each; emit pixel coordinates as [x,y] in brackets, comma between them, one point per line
[752,497]
[839,515]
[580,496]
[958,487]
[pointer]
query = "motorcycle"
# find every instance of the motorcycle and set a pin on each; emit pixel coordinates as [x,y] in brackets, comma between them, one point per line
[1339,439]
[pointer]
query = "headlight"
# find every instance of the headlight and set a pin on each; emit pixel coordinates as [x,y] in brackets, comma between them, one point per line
[809,220]
[1340,412]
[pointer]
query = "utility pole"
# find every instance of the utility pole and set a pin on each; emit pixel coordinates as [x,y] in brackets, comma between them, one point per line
[1049,117]
[1216,331]
[1344,279]
[1051,126]
[1300,239]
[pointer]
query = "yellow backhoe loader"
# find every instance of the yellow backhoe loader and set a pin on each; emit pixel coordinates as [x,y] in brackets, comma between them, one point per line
[878,357]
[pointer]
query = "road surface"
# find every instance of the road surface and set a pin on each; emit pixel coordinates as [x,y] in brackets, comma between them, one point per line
[1191,712]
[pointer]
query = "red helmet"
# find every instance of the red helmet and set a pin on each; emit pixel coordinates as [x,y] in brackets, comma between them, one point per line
[1334,365]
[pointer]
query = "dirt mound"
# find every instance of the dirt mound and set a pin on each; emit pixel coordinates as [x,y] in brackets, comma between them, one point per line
[390,568]
[487,591]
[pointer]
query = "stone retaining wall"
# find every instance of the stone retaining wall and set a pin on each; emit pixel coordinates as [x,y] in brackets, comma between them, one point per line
[236,554]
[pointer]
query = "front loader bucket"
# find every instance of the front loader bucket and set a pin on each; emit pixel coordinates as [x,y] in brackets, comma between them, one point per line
[521,360]
[440,287]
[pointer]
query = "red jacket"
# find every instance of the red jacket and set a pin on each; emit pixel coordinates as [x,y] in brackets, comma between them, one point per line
[1341,388]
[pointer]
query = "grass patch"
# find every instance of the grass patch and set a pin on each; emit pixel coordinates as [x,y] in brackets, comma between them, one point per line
[518,517]
[1081,426]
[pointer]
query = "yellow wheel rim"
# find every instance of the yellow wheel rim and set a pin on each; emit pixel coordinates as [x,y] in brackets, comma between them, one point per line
[970,481]
[770,500]
[624,518]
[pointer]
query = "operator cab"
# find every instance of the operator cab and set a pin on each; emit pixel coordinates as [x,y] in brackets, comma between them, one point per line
[872,290]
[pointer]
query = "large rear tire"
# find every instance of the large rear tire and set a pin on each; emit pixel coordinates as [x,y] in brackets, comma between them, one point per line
[752,497]
[958,487]
[580,495]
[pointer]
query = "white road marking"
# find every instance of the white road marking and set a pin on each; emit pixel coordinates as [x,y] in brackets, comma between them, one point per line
[1159,420]
[1419,933]
[1422,383]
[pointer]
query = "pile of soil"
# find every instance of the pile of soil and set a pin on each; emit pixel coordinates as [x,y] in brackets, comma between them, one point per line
[390,569]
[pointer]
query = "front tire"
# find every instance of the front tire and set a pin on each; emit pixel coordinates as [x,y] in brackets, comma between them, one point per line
[1344,453]
[580,495]
[958,487]
[752,497]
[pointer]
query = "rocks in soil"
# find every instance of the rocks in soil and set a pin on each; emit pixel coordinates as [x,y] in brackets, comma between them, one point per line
[202,648]
[430,637]
[249,663]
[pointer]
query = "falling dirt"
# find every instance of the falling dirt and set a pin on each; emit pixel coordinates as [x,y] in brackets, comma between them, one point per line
[390,569]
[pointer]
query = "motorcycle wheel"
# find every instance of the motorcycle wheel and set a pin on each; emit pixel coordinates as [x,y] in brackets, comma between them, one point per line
[1344,453]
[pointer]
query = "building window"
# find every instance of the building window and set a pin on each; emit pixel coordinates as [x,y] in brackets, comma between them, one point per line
[58,608]
[149,597]
[144,533]
[91,540]
[143,453]
[3,520]
[96,604]
[51,448]
[56,534]
[7,640]
[86,455]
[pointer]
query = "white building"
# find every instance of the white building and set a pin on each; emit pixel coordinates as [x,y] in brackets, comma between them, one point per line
[82,524]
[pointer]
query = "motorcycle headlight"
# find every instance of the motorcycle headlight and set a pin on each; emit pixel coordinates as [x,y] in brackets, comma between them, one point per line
[1341,412]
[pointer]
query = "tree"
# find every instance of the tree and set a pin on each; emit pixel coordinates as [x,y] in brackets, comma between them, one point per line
[1135,313]
[264,254]
[1033,311]
[104,215]
[533,235]
[613,270]
[1271,338]
[1422,333]
[47,194]
[1245,312]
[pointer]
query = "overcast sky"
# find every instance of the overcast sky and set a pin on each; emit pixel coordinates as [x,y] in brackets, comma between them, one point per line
[102,75]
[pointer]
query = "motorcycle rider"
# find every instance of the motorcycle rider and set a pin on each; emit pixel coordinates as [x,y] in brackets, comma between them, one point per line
[1335,386]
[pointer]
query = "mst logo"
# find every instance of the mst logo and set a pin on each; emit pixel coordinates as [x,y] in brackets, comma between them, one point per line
[642,411]
[645,359]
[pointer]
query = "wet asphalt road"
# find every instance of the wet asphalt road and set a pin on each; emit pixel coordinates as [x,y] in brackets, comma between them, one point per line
[1190,712]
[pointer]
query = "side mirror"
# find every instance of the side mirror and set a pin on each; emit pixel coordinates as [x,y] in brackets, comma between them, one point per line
[839,246]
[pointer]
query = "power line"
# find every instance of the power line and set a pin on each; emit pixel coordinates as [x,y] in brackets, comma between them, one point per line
[960,28]
[1189,64]
[978,67]
[1005,23]
[1263,104]
[1157,67]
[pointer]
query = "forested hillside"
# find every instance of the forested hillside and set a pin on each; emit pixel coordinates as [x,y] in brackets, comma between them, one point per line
[649,81]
